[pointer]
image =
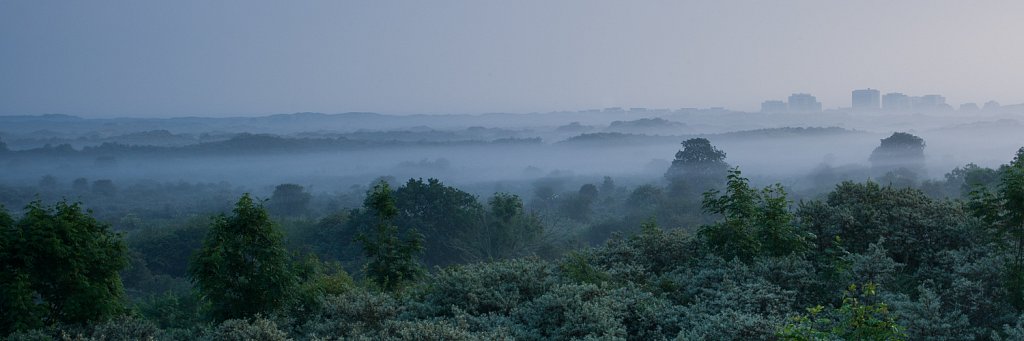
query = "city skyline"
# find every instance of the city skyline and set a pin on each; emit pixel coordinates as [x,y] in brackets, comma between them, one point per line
[198,58]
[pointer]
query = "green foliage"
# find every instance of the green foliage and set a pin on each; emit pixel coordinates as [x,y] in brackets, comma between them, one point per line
[578,268]
[257,328]
[167,250]
[243,268]
[960,181]
[872,266]
[451,222]
[1010,332]
[173,310]
[123,328]
[58,265]
[350,314]
[645,200]
[713,285]
[507,231]
[736,235]
[454,226]
[440,330]
[914,226]
[755,222]
[440,213]
[484,288]
[1003,212]
[333,237]
[580,311]
[948,273]
[929,318]
[392,259]
[316,280]
[652,250]
[775,229]
[858,318]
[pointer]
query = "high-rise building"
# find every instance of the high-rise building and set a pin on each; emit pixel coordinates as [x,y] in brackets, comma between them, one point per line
[969,107]
[774,106]
[895,101]
[991,106]
[866,99]
[928,102]
[803,103]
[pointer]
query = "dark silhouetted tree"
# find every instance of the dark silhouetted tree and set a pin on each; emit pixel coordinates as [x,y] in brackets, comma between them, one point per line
[698,158]
[48,182]
[607,186]
[80,185]
[900,150]
[104,188]
[697,167]
[289,200]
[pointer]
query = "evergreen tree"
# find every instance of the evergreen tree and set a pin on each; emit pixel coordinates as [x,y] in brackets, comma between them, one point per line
[243,267]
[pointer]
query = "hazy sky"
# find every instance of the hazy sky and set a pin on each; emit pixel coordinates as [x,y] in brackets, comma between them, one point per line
[217,58]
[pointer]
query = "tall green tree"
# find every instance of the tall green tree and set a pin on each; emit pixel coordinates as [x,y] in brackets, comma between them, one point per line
[735,236]
[243,267]
[507,231]
[443,214]
[58,265]
[1003,212]
[392,256]
[755,222]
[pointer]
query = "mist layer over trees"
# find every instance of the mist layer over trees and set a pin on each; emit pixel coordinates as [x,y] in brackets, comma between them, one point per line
[636,225]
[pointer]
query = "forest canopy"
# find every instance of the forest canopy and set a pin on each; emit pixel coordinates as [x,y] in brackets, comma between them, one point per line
[706,255]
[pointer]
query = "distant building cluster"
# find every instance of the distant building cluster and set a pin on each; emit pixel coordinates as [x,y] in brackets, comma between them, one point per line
[796,103]
[872,100]
[866,99]
[895,101]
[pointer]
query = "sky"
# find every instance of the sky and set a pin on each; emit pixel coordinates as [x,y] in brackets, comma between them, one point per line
[238,58]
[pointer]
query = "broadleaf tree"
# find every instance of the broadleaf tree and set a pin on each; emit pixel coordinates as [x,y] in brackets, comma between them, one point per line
[391,256]
[243,267]
[58,265]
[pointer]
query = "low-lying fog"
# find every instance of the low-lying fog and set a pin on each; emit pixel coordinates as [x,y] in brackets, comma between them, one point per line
[484,153]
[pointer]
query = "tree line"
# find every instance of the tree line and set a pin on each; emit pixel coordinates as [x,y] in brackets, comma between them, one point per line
[711,257]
